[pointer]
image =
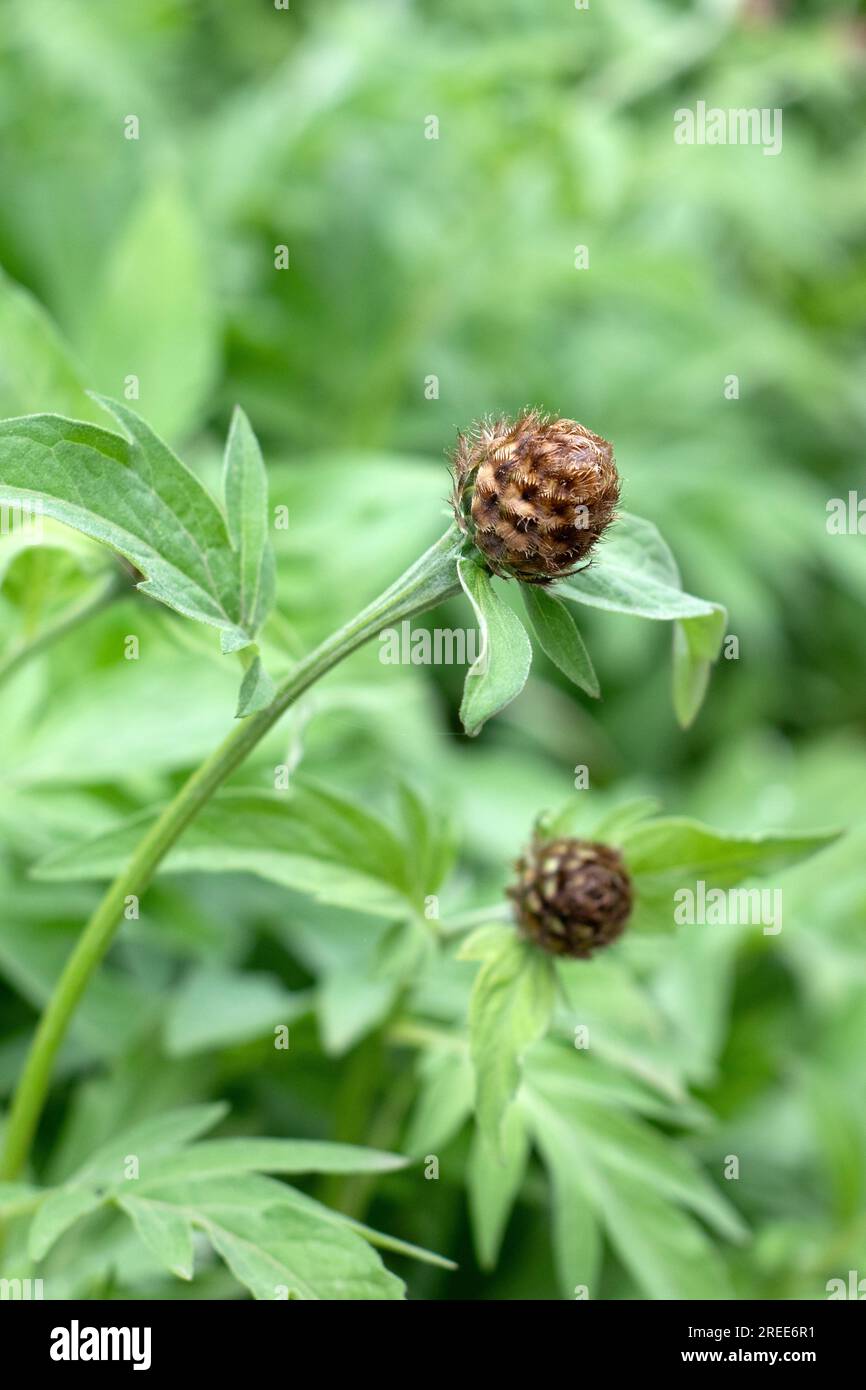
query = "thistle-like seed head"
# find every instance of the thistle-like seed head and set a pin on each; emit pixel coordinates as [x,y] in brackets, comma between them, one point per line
[534,495]
[571,896]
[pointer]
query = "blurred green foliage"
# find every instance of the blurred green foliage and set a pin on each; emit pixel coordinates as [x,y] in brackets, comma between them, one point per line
[453,258]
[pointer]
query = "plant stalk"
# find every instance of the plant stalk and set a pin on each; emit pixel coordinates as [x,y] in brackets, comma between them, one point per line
[430,580]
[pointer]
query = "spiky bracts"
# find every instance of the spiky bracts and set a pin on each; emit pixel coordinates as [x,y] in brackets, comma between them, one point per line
[534,495]
[571,896]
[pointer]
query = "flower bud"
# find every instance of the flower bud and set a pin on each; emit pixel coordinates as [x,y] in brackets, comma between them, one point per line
[571,896]
[535,495]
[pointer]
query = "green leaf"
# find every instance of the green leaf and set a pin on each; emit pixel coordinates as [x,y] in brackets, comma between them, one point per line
[168,1234]
[85,1192]
[635,573]
[626,1144]
[608,1072]
[697,642]
[152,316]
[499,673]
[672,854]
[134,496]
[493,1180]
[400,1247]
[245,487]
[275,1245]
[348,1005]
[559,637]
[147,1140]
[443,1101]
[305,838]
[509,1009]
[280,1252]
[431,840]
[217,1008]
[577,1244]
[300,1201]
[69,747]
[639,1185]
[666,1252]
[222,1157]
[257,689]
[613,826]
[61,1209]
[276,1241]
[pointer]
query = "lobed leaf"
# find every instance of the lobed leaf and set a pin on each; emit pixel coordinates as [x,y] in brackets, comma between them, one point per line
[509,1009]
[306,838]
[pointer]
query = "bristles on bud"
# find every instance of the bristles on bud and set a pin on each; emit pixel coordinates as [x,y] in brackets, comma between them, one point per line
[534,495]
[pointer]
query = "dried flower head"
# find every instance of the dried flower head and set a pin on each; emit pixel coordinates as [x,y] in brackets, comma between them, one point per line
[571,896]
[534,495]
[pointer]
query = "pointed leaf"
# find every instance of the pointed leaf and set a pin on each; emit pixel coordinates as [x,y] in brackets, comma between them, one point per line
[61,1209]
[494,1180]
[220,1157]
[697,642]
[257,688]
[576,1233]
[509,1009]
[667,855]
[166,1233]
[306,838]
[499,674]
[635,573]
[150,1138]
[279,1248]
[134,496]
[613,826]
[246,497]
[443,1103]
[559,637]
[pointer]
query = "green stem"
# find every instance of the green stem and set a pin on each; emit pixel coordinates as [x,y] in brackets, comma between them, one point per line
[430,580]
[67,622]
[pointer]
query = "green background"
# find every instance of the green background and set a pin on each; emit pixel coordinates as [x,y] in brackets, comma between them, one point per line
[453,258]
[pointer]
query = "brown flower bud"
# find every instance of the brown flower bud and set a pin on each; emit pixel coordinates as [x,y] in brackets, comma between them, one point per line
[571,896]
[535,495]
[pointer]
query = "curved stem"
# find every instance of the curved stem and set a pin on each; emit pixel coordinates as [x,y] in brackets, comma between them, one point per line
[67,622]
[432,578]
